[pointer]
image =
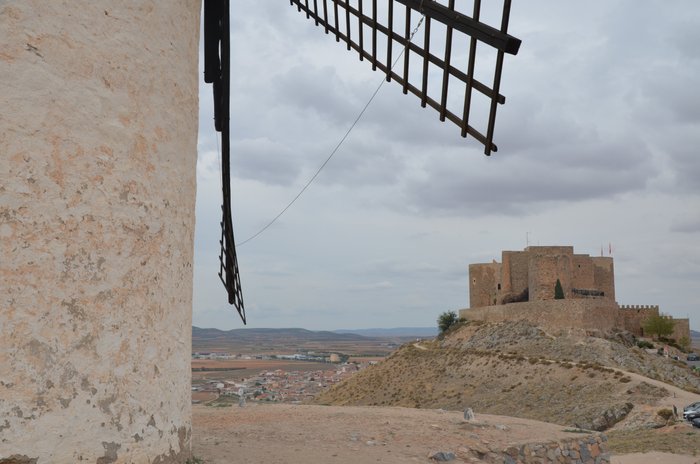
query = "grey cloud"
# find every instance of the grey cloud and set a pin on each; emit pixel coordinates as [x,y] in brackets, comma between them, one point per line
[374,286]
[687,163]
[531,181]
[687,226]
[310,88]
[404,271]
[265,161]
[359,162]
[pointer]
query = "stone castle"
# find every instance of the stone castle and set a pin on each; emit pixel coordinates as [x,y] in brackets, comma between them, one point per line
[522,286]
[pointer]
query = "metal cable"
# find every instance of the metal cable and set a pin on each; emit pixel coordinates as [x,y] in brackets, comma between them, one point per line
[338,145]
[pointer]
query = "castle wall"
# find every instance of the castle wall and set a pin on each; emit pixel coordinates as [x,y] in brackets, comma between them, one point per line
[551,315]
[546,265]
[583,272]
[515,273]
[555,315]
[604,275]
[98,139]
[484,280]
[537,268]
[681,329]
[632,318]
[567,250]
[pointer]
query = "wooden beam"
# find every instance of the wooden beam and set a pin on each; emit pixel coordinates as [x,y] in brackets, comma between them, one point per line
[480,31]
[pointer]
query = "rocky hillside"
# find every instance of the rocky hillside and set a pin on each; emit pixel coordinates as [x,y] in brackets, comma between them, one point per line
[516,369]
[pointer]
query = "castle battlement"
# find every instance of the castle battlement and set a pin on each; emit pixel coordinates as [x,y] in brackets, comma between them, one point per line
[642,307]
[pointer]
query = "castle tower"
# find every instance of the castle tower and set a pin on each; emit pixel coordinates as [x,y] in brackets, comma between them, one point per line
[98,137]
[531,275]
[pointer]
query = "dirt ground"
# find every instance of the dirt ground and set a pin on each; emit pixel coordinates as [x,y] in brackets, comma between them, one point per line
[654,458]
[302,434]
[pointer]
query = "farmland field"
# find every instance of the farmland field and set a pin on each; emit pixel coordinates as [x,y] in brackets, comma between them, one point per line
[242,368]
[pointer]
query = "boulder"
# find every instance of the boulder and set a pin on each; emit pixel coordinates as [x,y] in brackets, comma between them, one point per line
[469,414]
[442,456]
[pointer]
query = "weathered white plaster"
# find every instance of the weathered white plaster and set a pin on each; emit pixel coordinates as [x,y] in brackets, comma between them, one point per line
[98,129]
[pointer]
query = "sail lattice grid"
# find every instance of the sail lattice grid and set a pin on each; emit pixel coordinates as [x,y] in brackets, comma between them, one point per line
[380,31]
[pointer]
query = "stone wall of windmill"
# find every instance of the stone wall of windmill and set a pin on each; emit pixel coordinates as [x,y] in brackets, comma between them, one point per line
[97,180]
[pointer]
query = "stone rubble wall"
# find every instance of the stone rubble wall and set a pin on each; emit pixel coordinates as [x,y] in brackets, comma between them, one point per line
[591,450]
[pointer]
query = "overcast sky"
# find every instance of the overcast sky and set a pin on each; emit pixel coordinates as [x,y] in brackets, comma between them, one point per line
[598,144]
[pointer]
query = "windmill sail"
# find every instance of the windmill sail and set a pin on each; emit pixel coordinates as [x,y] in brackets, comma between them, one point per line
[217,72]
[358,24]
[364,29]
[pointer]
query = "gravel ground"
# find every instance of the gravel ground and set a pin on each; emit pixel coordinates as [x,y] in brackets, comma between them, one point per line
[304,434]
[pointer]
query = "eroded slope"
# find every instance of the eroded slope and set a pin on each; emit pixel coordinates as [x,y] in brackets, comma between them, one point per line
[516,369]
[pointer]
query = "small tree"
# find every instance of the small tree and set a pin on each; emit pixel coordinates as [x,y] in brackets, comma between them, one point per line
[658,325]
[447,320]
[684,342]
[558,291]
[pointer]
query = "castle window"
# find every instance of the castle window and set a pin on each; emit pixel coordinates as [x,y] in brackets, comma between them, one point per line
[499,286]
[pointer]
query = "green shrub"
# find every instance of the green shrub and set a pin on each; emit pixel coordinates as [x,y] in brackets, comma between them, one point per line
[684,342]
[645,344]
[658,325]
[665,414]
[447,320]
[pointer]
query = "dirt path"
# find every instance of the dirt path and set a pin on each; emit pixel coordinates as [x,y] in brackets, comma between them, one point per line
[678,397]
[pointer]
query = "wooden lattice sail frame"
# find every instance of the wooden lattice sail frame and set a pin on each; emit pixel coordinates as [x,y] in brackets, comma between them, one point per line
[339,17]
[328,15]
[217,72]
